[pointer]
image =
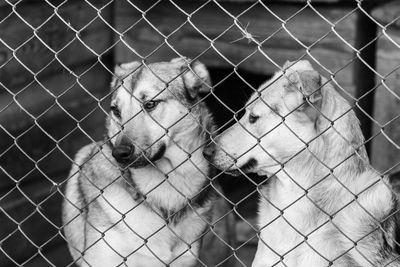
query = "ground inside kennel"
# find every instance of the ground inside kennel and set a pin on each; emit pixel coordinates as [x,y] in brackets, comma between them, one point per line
[55,68]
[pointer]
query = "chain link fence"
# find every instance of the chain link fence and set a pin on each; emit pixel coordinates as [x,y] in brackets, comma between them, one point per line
[174,207]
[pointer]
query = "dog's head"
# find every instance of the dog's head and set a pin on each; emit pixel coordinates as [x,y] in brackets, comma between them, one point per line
[149,107]
[279,120]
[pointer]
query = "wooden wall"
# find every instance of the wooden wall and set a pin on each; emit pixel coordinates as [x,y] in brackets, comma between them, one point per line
[48,78]
[386,144]
[210,32]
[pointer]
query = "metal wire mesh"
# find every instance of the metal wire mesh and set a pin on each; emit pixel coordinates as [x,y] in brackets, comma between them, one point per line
[56,63]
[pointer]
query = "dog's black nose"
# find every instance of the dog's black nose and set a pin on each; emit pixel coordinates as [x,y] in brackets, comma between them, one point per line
[209,151]
[123,153]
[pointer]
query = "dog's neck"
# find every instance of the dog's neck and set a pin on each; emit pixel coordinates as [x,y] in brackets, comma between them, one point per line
[181,174]
[334,159]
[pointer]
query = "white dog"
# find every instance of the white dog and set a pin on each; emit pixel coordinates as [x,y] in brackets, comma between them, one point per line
[325,206]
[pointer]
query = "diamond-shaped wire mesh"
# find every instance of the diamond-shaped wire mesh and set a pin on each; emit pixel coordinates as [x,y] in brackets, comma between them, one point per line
[122,124]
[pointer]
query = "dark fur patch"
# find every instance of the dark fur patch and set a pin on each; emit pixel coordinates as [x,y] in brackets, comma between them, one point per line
[160,153]
[392,224]
[394,181]
[135,77]
[188,98]
[349,260]
[391,230]
[175,216]
[247,167]
[396,231]
[83,175]
[130,185]
[84,210]
[84,201]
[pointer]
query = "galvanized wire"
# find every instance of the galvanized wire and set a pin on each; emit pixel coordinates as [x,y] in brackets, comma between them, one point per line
[260,43]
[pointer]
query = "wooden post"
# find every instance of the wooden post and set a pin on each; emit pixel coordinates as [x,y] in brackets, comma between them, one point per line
[364,77]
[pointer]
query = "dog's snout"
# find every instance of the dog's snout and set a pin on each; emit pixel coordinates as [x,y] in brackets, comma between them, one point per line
[123,153]
[209,151]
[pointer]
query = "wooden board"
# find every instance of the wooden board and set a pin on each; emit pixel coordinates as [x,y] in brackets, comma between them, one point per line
[171,33]
[22,54]
[43,139]
[386,149]
[54,164]
[388,13]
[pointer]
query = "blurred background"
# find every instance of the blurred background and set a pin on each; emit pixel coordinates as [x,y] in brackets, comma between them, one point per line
[56,62]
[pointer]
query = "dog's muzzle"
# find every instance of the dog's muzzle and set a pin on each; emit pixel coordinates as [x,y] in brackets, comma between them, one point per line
[126,157]
[123,153]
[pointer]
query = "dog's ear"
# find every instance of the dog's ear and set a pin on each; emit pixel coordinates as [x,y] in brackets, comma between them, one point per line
[196,79]
[307,87]
[287,64]
[301,65]
[180,60]
[121,71]
[124,69]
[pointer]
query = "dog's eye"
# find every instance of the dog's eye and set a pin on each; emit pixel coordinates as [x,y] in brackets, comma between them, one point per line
[150,105]
[253,118]
[115,111]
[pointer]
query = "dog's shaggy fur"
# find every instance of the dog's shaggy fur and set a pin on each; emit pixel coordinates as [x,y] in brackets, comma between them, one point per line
[325,205]
[143,198]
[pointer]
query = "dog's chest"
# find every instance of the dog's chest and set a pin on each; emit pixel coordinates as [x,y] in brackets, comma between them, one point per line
[169,192]
[145,229]
[297,230]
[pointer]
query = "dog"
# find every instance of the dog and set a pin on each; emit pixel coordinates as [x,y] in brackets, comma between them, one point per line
[322,203]
[143,197]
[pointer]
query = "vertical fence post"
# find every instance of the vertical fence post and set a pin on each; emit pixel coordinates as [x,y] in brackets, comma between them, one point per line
[364,77]
[109,59]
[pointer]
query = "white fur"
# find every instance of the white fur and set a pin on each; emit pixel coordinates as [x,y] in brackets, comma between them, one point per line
[295,208]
